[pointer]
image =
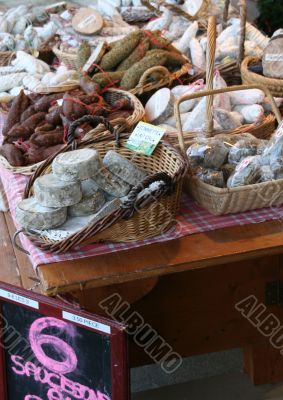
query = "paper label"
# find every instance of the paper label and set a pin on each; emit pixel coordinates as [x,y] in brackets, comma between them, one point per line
[145,138]
[87,21]
[243,164]
[274,57]
[19,299]
[86,322]
[279,131]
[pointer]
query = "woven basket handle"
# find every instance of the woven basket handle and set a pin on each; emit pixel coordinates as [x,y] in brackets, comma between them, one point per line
[164,71]
[94,121]
[243,22]
[210,63]
[214,92]
[130,202]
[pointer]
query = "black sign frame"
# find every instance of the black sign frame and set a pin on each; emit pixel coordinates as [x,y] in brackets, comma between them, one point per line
[53,308]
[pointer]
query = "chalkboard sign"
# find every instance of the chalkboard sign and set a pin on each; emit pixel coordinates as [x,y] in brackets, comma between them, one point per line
[50,351]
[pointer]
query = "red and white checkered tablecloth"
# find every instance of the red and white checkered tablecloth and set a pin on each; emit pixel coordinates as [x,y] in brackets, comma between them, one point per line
[192,219]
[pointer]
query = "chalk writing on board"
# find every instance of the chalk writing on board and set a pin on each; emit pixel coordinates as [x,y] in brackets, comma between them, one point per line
[50,369]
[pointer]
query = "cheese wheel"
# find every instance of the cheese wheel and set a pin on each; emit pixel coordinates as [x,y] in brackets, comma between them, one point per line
[31,215]
[93,199]
[123,168]
[50,191]
[111,183]
[76,165]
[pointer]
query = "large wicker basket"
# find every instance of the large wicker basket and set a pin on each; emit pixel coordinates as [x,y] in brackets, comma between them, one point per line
[262,130]
[127,124]
[226,201]
[275,86]
[151,215]
[240,199]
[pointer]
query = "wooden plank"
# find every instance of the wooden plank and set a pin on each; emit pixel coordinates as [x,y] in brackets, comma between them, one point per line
[24,265]
[188,253]
[9,272]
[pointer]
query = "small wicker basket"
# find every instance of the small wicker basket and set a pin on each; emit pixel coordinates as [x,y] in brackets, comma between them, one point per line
[69,59]
[45,53]
[226,201]
[136,219]
[275,86]
[111,95]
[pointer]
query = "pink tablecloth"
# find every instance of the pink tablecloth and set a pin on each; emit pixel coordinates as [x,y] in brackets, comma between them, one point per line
[192,219]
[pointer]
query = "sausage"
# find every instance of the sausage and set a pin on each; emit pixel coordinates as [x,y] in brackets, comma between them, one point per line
[13,155]
[46,139]
[54,116]
[32,122]
[19,105]
[45,102]
[37,154]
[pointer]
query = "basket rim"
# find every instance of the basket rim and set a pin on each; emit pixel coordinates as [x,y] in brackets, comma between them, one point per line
[257,77]
[222,191]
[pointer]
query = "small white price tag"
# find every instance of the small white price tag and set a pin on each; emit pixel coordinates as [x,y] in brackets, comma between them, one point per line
[19,299]
[145,138]
[243,164]
[86,322]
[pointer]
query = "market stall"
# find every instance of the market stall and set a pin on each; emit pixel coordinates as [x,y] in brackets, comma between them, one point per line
[130,164]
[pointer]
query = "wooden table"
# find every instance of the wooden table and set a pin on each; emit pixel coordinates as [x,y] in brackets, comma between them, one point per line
[186,289]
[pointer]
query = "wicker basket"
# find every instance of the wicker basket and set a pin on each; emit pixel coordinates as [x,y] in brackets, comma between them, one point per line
[69,59]
[45,53]
[225,201]
[262,130]
[123,225]
[275,86]
[110,96]
[240,199]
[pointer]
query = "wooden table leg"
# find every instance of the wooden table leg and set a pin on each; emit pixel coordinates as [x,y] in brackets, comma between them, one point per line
[263,363]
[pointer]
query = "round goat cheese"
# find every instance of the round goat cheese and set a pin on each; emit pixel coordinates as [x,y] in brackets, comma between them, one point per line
[31,215]
[92,201]
[76,165]
[50,191]
[123,168]
[111,184]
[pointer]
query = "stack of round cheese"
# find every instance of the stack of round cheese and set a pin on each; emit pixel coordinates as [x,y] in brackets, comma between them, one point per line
[79,185]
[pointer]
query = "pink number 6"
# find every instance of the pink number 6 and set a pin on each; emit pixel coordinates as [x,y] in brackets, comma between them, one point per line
[37,340]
